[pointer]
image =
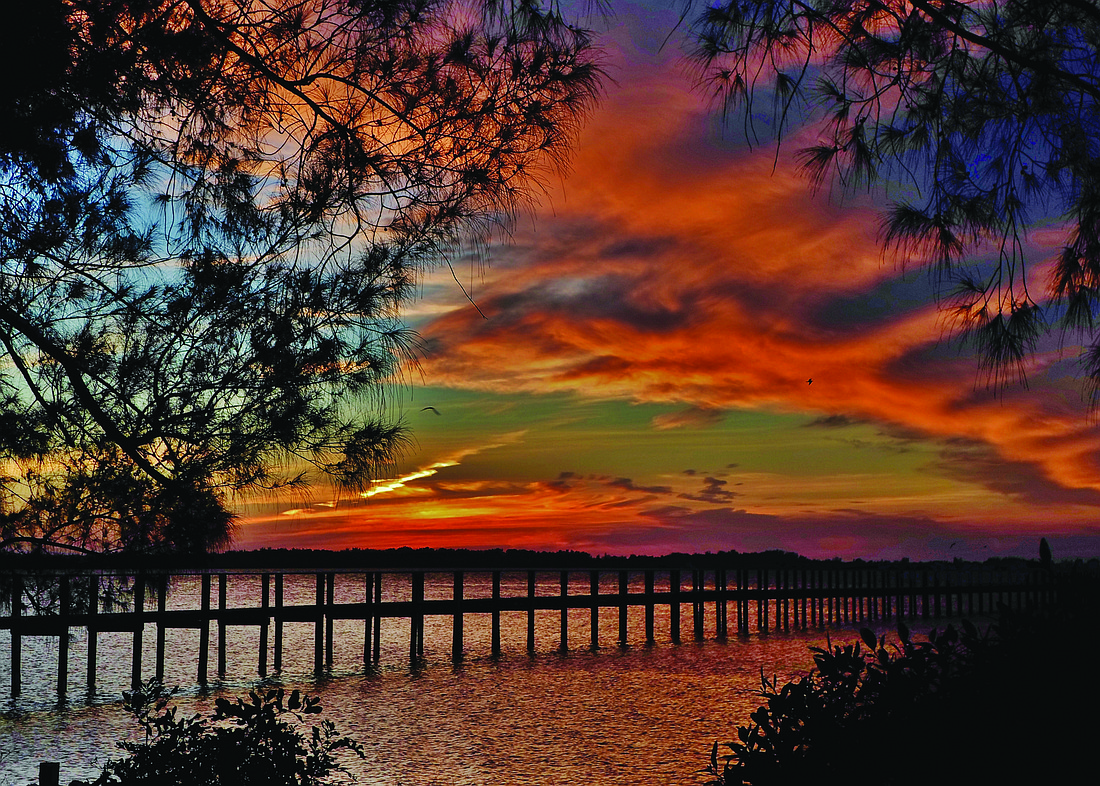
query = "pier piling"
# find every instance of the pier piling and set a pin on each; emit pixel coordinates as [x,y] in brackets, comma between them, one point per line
[814,596]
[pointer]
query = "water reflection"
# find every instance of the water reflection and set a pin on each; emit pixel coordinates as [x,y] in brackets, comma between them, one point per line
[643,714]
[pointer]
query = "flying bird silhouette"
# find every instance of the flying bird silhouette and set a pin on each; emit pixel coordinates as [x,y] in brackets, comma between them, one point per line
[433,409]
[810,381]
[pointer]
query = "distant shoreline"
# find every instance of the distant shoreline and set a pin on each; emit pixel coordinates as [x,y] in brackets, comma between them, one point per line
[471,559]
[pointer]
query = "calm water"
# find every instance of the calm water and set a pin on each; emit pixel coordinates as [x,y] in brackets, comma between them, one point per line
[643,714]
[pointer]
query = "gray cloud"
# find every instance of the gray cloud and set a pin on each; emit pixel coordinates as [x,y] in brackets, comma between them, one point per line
[713,492]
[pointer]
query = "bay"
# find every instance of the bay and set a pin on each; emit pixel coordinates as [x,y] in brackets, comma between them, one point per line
[644,714]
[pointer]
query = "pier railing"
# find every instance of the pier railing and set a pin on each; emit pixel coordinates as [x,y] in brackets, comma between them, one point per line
[740,601]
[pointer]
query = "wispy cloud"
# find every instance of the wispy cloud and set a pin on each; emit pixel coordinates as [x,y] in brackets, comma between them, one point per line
[404,484]
[692,417]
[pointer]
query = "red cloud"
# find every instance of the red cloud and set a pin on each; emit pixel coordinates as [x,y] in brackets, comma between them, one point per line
[677,269]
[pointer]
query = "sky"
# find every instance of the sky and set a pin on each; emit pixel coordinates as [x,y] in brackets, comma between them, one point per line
[636,377]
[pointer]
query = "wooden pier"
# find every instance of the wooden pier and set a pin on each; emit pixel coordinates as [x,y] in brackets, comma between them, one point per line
[721,603]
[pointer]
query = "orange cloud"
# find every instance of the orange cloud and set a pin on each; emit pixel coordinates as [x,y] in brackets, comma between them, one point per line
[680,268]
[677,267]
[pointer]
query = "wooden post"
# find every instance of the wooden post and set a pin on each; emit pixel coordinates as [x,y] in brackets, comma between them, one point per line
[63,640]
[594,617]
[564,611]
[139,629]
[49,773]
[495,645]
[851,603]
[793,595]
[924,595]
[329,602]
[222,579]
[786,594]
[783,597]
[531,611]
[759,601]
[265,604]
[416,638]
[412,618]
[720,603]
[809,615]
[649,602]
[93,633]
[911,575]
[809,590]
[162,602]
[846,596]
[319,624]
[873,608]
[765,598]
[204,628]
[378,617]
[838,595]
[698,581]
[674,605]
[368,615]
[16,638]
[790,599]
[624,588]
[774,597]
[779,600]
[891,594]
[825,600]
[744,605]
[277,655]
[456,618]
[800,598]
[878,589]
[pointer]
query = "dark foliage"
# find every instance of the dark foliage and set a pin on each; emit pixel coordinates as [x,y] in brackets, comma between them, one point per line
[258,741]
[1002,705]
[211,215]
[987,113]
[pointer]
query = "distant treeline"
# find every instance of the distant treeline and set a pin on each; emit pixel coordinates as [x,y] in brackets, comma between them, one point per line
[471,559]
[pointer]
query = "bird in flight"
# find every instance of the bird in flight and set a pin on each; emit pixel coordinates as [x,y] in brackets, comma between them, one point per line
[433,409]
[810,381]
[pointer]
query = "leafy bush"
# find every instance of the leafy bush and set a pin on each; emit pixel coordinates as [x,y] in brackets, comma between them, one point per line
[261,740]
[1003,705]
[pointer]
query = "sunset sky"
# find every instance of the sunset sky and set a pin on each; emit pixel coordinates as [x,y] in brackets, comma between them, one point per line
[639,383]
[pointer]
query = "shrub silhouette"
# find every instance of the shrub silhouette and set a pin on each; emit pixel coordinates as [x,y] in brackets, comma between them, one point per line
[1002,705]
[248,742]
